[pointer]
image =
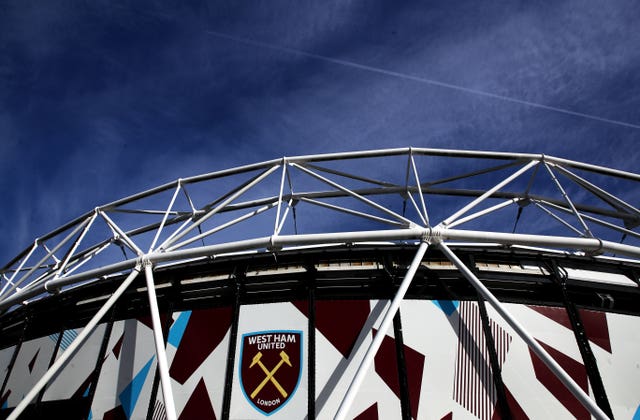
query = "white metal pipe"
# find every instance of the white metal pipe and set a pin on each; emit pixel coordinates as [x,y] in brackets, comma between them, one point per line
[480,213]
[472,174]
[599,192]
[284,173]
[607,224]
[354,194]
[593,168]
[418,211]
[220,206]
[568,200]
[53,255]
[76,244]
[415,174]
[10,280]
[220,227]
[70,351]
[163,366]
[350,175]
[563,242]
[189,221]
[176,232]
[164,218]
[584,244]
[77,264]
[121,234]
[557,370]
[488,193]
[46,257]
[188,197]
[351,212]
[558,218]
[363,369]
[284,217]
[473,154]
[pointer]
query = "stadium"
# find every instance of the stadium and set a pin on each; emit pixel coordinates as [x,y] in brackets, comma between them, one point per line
[399,283]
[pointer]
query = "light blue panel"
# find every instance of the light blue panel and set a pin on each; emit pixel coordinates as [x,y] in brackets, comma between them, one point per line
[129,396]
[447,306]
[177,329]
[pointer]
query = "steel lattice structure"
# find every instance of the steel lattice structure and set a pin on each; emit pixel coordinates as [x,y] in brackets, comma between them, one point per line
[409,196]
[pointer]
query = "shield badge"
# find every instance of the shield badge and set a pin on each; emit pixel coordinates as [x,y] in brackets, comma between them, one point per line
[270,368]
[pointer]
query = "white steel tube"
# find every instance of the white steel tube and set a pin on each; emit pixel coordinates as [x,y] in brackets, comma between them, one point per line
[481,213]
[599,192]
[70,351]
[415,174]
[558,218]
[220,227]
[222,205]
[473,154]
[354,194]
[122,235]
[350,175]
[46,257]
[284,217]
[76,244]
[351,212]
[418,211]
[488,193]
[568,200]
[24,260]
[284,173]
[363,369]
[584,244]
[164,218]
[163,366]
[79,262]
[574,388]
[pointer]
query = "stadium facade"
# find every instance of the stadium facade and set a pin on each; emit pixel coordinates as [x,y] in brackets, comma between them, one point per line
[401,283]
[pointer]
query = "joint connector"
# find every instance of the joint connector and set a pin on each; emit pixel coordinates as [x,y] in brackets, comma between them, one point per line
[51,290]
[144,261]
[273,247]
[598,251]
[432,236]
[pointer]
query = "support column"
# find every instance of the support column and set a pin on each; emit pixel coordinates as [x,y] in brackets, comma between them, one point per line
[311,327]
[382,332]
[163,366]
[236,280]
[589,360]
[574,388]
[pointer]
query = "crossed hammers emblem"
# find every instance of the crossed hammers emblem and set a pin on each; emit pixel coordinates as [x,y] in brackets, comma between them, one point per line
[284,358]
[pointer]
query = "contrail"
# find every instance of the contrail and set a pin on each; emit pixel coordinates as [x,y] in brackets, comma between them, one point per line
[418,79]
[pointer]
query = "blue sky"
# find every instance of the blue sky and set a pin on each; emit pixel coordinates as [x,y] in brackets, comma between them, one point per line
[99,100]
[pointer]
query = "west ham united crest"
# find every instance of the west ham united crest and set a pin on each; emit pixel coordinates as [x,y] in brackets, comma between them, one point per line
[270,368]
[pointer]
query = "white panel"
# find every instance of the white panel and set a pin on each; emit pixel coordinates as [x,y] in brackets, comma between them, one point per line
[518,372]
[35,353]
[620,369]
[5,358]
[78,368]
[433,332]
[599,276]
[136,356]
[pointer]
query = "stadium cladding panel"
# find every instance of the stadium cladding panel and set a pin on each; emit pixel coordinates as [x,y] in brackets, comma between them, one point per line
[384,284]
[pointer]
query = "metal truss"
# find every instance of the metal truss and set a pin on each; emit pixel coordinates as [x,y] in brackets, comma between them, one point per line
[409,196]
